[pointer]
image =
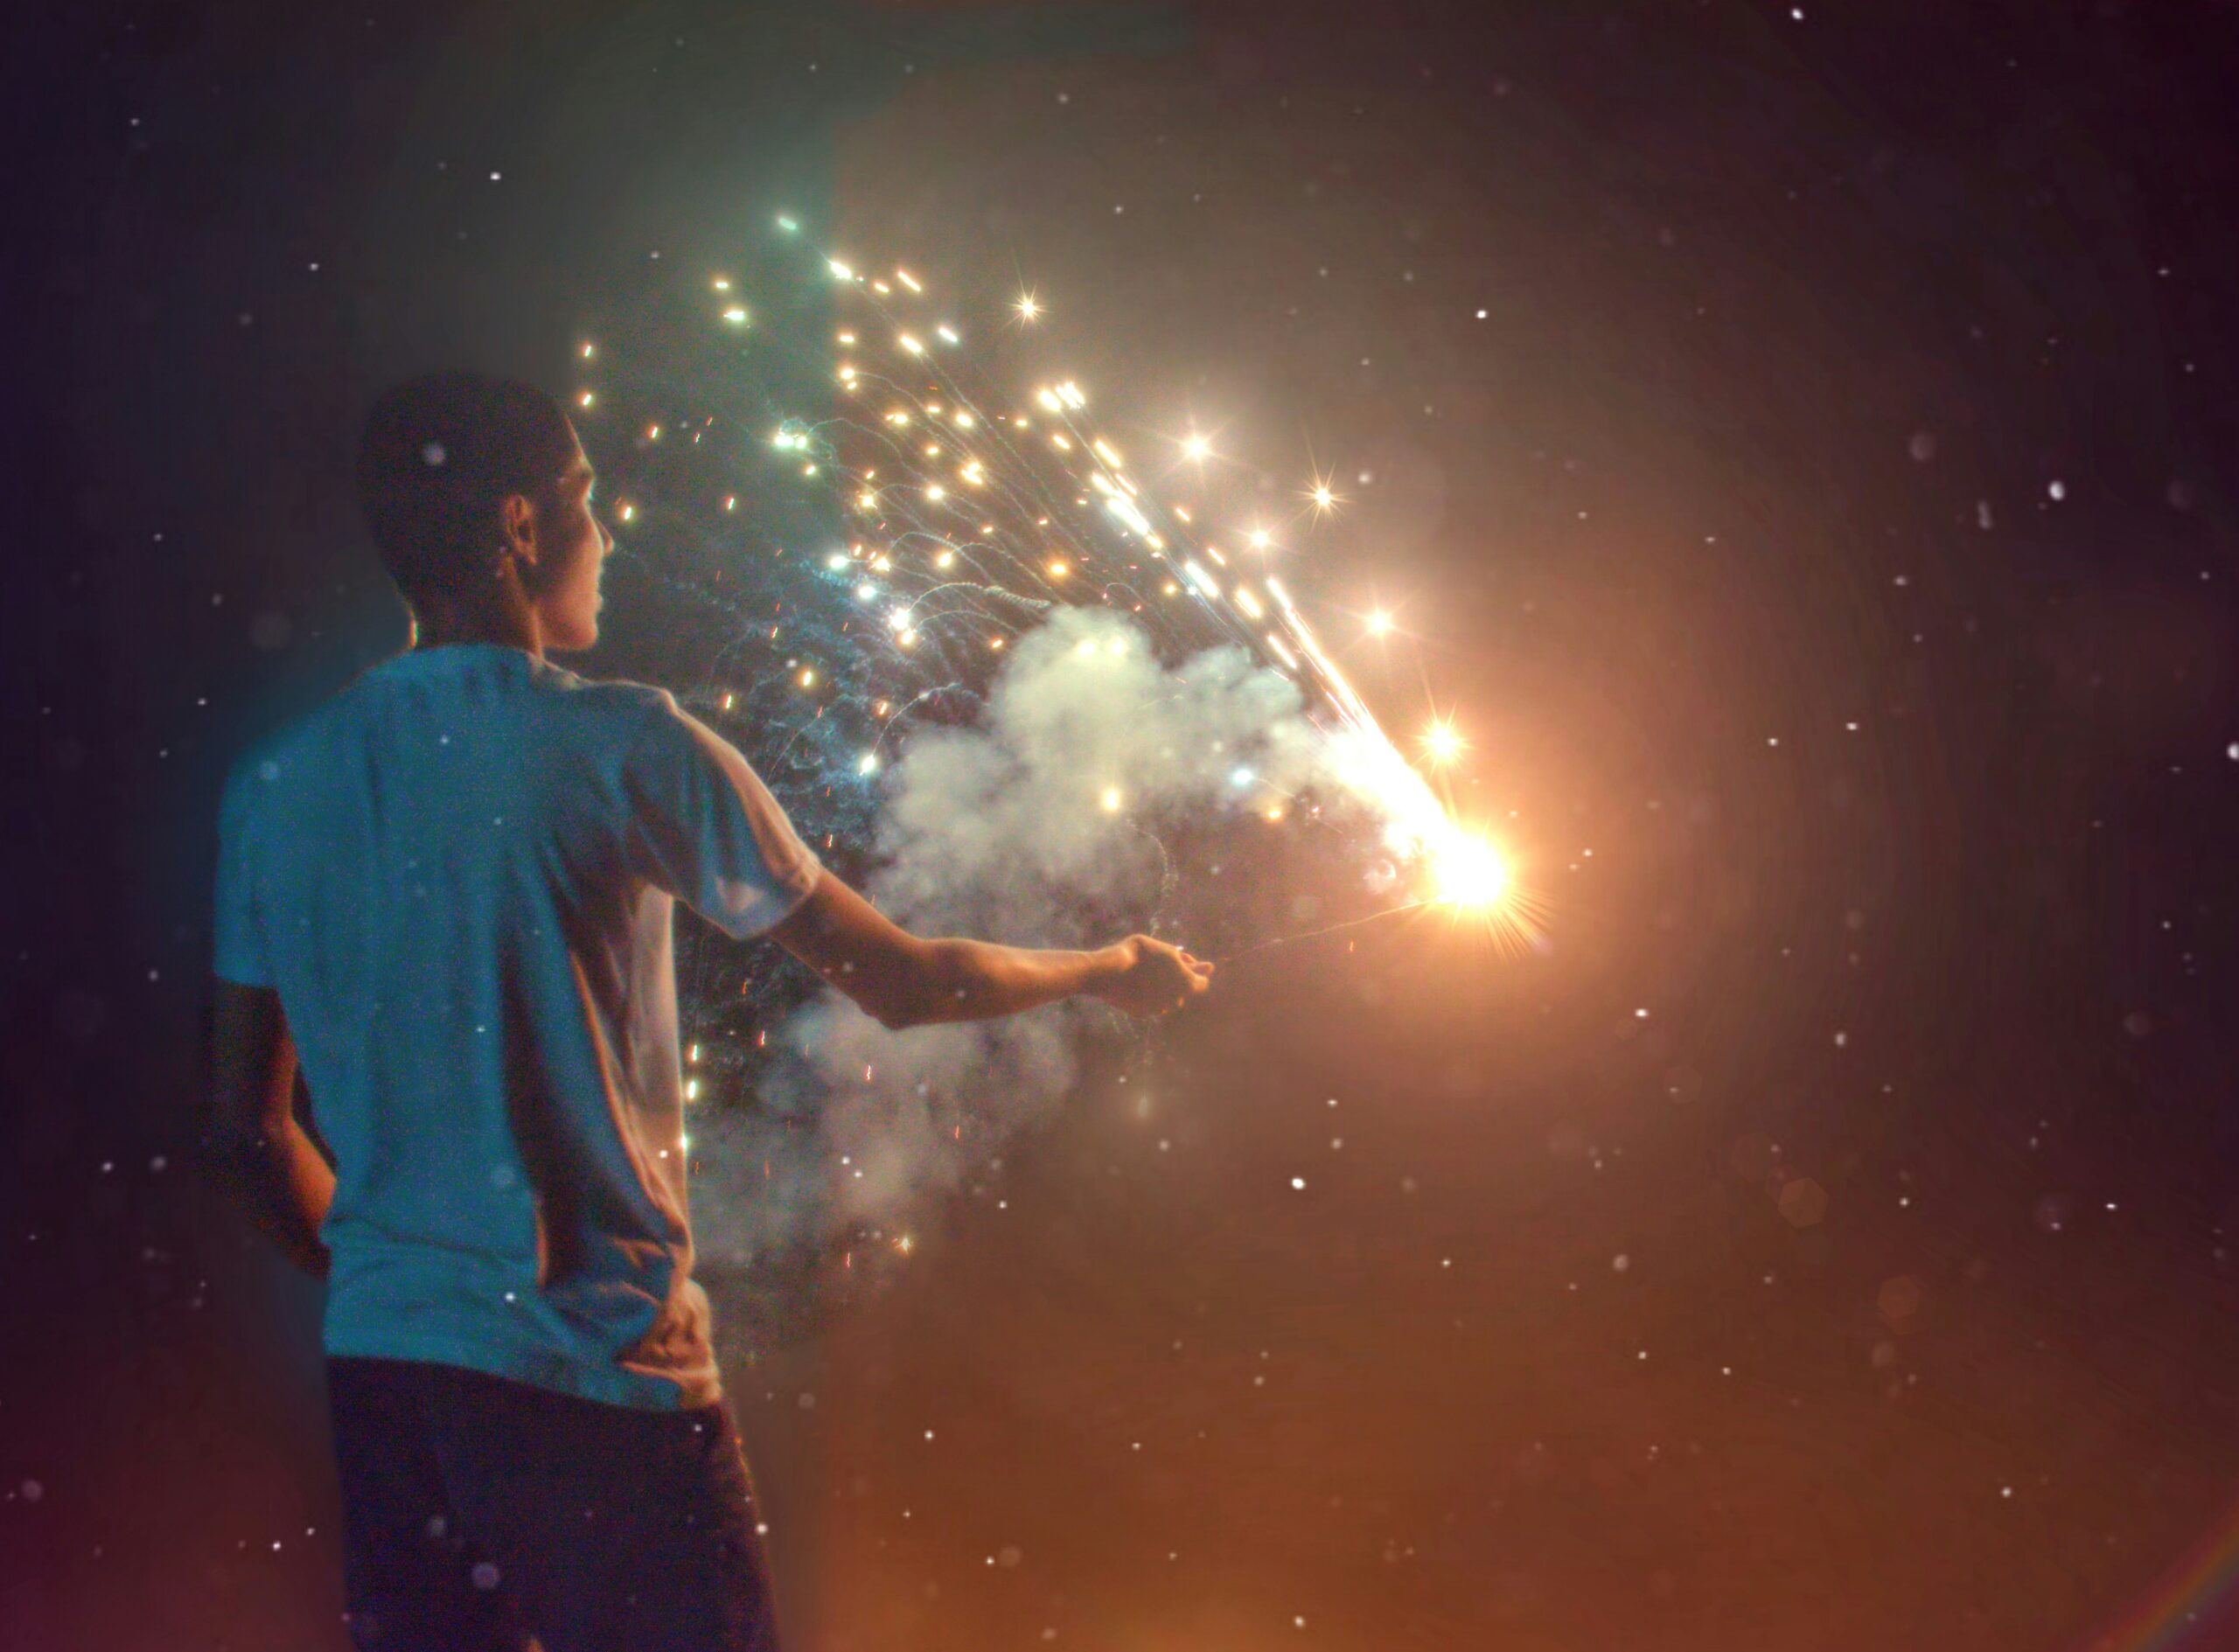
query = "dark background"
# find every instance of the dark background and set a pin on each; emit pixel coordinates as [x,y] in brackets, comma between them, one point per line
[1828,524]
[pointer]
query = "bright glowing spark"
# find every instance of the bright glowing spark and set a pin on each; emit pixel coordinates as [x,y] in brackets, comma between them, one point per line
[1469,871]
[1443,741]
[1379,623]
[1196,448]
[736,315]
[1111,800]
[1029,307]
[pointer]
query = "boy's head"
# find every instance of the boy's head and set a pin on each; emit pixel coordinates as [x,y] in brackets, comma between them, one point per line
[479,495]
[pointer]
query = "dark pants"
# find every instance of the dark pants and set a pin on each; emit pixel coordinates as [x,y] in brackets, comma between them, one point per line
[480,1513]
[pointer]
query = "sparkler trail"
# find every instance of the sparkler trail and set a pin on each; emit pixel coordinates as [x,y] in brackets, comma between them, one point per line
[965,518]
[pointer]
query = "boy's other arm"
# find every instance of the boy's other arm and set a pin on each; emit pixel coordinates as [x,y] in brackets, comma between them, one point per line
[904,981]
[263,1155]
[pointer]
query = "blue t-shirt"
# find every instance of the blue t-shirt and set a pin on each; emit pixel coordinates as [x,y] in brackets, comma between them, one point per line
[460,875]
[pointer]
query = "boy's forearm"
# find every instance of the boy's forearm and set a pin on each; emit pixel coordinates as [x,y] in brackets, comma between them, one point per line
[975,980]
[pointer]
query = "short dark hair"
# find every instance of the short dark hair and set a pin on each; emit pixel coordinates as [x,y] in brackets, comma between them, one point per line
[439,454]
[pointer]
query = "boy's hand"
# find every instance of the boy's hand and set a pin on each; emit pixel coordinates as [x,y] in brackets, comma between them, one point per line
[1150,977]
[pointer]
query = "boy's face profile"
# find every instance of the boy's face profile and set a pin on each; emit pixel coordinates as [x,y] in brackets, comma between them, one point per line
[562,549]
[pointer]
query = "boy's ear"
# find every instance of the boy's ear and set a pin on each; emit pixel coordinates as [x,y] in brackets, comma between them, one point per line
[517,520]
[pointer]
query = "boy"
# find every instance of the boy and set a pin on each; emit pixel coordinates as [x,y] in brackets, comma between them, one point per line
[447,895]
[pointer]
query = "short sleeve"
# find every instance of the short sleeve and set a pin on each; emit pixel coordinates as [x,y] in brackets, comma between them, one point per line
[239,952]
[706,830]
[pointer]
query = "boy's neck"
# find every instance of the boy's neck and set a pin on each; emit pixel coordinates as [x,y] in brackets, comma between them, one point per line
[505,630]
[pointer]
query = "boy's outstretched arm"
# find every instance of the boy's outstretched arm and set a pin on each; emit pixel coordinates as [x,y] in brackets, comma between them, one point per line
[906,982]
[264,1157]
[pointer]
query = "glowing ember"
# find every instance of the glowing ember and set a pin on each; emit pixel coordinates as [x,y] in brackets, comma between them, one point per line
[1443,742]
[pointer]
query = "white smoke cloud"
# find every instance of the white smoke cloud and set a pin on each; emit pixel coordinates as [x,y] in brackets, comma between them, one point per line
[1037,825]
